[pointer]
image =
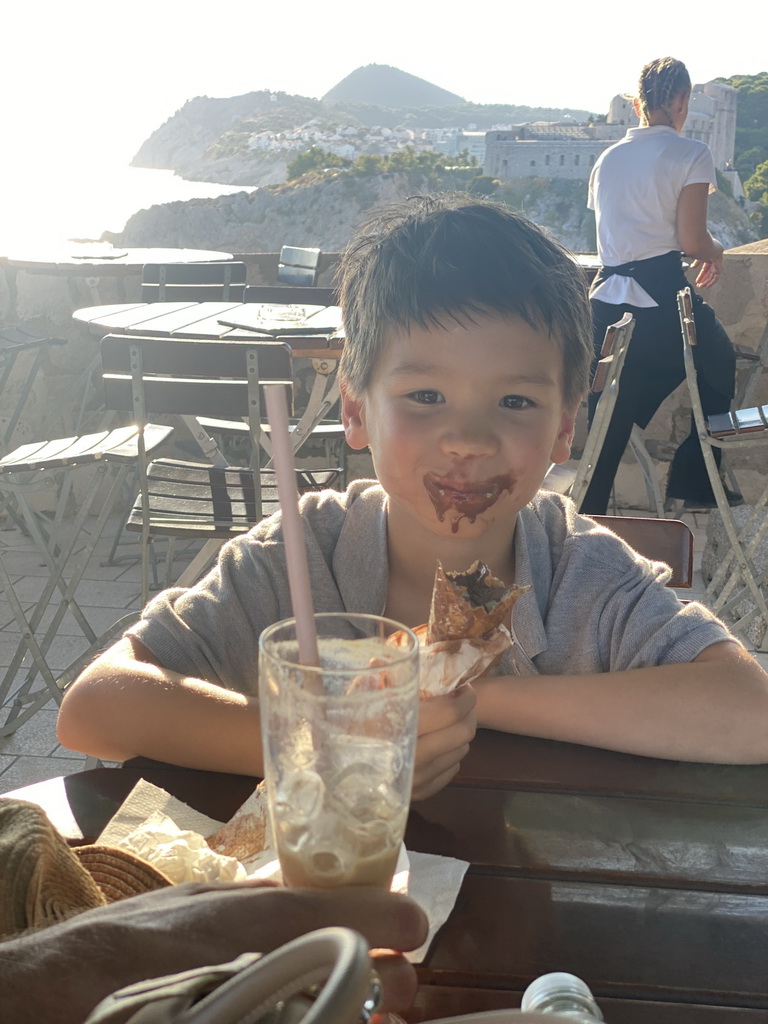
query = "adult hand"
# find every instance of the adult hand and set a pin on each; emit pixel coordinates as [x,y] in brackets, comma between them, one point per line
[446,728]
[62,972]
[709,272]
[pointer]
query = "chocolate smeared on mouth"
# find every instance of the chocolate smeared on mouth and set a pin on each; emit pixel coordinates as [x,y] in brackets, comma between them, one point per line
[469,503]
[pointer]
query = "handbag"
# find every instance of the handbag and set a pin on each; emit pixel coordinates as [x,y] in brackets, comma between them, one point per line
[279,988]
[282,987]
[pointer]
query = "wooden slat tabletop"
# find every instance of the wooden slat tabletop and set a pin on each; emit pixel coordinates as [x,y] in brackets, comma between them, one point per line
[197,319]
[648,879]
[125,316]
[545,765]
[632,841]
[625,942]
[202,319]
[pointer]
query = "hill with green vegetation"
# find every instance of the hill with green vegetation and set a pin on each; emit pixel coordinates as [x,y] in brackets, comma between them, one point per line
[324,205]
[751,150]
[751,146]
[317,195]
[212,139]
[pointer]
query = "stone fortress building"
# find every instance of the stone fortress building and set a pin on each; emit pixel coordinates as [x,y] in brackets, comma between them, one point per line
[568,150]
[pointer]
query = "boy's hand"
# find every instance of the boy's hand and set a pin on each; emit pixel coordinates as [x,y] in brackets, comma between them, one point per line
[446,727]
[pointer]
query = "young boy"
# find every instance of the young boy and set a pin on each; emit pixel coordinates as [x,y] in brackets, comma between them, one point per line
[468,345]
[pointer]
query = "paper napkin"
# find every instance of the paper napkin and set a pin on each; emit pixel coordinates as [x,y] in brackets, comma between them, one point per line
[170,835]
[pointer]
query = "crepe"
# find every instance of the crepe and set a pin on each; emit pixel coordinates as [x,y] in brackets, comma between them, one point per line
[245,835]
[465,636]
[469,604]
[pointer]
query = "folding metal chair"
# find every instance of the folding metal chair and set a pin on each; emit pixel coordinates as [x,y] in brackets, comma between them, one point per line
[65,543]
[318,419]
[574,477]
[212,500]
[198,282]
[300,296]
[15,342]
[750,364]
[298,266]
[736,590]
[606,384]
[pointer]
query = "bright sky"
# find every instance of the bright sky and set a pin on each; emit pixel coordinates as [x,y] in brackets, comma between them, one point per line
[82,76]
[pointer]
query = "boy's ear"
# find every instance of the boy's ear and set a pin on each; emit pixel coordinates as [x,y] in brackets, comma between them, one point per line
[353,418]
[561,449]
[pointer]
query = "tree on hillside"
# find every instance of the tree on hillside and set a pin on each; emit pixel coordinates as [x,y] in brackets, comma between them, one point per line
[751,121]
[756,188]
[315,159]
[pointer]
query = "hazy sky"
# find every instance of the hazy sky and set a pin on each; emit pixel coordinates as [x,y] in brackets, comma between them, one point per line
[81,76]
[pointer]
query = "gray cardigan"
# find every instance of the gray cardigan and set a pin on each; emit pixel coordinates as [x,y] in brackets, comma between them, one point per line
[595,606]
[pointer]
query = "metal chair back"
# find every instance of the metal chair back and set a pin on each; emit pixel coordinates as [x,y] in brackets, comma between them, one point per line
[196,282]
[606,384]
[298,266]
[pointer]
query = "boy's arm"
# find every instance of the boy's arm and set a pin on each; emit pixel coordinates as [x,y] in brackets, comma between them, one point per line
[714,709]
[126,705]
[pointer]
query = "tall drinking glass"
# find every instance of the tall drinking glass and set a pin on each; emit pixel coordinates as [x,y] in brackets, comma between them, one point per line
[339,743]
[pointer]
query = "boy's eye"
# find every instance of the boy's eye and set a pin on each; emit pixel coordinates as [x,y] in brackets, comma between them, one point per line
[425,397]
[516,402]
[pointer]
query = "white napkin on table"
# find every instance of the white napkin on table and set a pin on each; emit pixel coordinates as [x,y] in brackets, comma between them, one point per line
[169,834]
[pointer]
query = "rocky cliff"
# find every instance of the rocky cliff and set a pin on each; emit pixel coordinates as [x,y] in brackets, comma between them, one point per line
[323,211]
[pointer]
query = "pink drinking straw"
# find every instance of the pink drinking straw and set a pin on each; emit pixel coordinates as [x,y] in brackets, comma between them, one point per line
[293,531]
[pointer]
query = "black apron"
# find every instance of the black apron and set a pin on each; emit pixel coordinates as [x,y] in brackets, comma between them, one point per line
[657,338]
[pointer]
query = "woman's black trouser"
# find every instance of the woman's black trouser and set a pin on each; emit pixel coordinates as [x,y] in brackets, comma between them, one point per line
[653,368]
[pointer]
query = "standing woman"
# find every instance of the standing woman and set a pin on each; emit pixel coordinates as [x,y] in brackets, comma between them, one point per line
[649,193]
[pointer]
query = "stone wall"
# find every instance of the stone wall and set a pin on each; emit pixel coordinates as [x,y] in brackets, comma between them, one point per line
[570,159]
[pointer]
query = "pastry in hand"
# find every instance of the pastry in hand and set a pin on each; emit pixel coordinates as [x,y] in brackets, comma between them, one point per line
[466,635]
[468,604]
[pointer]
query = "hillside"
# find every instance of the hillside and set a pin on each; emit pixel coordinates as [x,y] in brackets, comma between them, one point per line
[384,86]
[324,209]
[248,140]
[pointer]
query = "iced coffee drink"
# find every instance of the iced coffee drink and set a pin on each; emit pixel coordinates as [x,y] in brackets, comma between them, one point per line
[339,743]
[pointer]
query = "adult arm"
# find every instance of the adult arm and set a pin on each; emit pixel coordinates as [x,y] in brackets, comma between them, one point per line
[125,704]
[693,235]
[714,709]
[57,975]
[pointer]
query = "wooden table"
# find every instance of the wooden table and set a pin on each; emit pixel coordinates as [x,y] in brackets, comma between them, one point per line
[102,254]
[647,878]
[207,319]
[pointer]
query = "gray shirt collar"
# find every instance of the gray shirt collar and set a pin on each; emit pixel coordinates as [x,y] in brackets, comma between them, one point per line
[361,572]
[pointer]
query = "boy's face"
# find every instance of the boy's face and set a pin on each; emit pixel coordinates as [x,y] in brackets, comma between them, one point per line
[463,423]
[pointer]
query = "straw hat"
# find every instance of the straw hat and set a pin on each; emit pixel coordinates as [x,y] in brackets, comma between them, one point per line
[43,881]
[118,873]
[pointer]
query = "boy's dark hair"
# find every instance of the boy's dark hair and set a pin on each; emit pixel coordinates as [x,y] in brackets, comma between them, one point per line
[451,257]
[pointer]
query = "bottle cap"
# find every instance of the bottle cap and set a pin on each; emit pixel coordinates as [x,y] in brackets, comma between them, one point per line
[552,991]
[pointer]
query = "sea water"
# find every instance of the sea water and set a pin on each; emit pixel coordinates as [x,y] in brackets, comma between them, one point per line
[41,209]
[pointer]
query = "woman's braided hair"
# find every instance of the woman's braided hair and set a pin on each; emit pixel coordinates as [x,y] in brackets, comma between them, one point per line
[660,82]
